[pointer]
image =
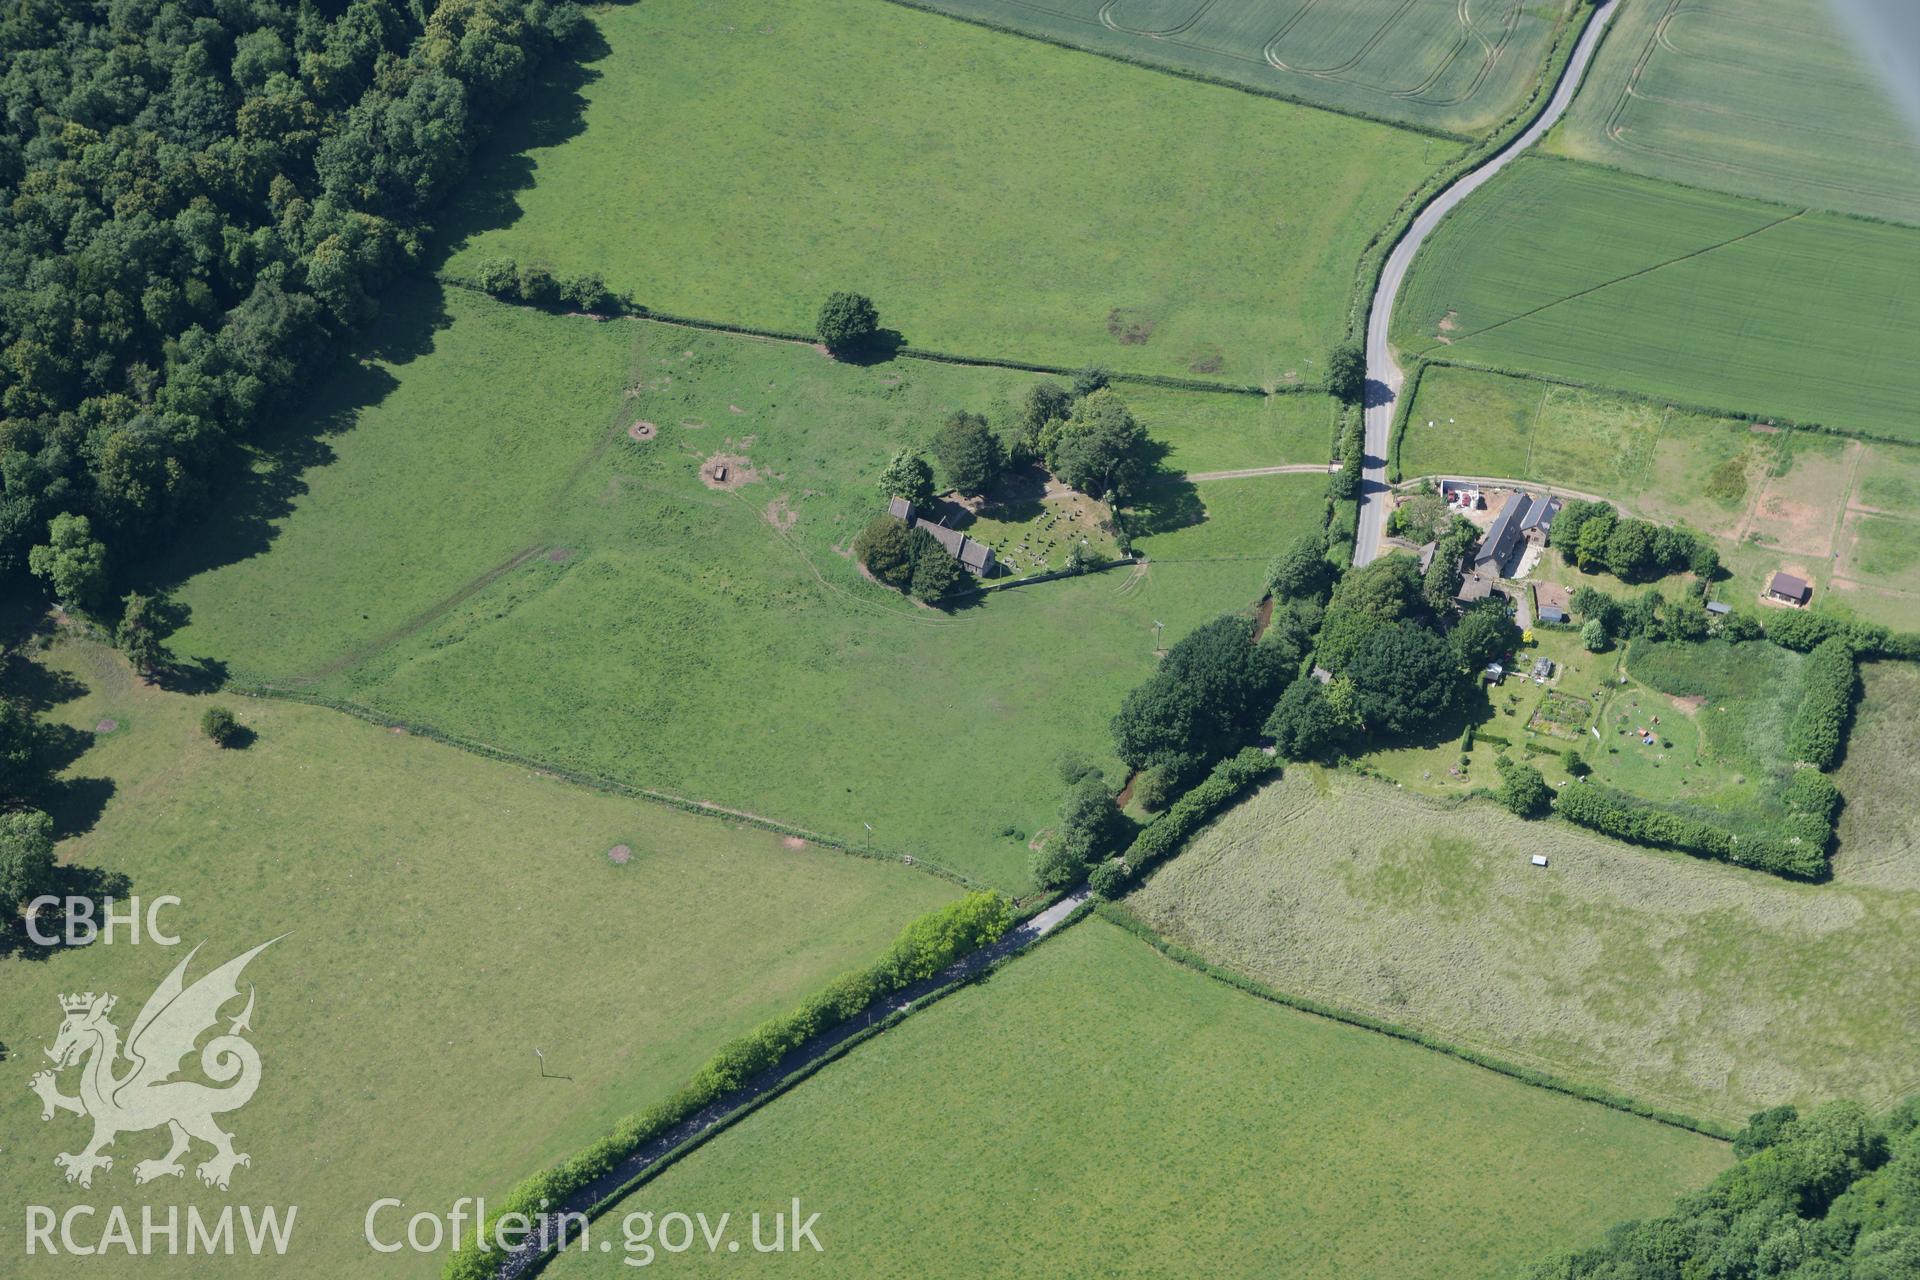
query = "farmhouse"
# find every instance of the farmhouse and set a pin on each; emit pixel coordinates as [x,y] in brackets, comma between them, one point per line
[1499,551]
[974,556]
[1788,589]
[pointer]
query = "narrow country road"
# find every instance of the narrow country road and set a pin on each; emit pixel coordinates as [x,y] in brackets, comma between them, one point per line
[1384,379]
[525,1259]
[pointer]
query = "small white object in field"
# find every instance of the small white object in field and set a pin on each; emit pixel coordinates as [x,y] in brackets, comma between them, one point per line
[1539,859]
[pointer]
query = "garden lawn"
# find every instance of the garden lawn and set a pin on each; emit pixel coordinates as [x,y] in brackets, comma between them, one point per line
[1700,298]
[445,915]
[1689,985]
[1106,1112]
[1430,64]
[740,160]
[619,617]
[1766,98]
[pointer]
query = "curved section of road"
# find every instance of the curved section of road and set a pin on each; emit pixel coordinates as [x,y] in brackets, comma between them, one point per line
[1384,380]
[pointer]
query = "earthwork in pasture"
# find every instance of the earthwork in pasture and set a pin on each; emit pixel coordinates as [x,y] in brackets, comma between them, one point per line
[721,171]
[1434,64]
[1697,298]
[717,645]
[1693,986]
[1115,1113]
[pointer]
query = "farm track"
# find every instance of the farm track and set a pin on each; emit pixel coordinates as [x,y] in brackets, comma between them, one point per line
[1384,378]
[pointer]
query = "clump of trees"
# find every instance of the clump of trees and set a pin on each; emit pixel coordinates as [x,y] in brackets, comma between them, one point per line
[1090,825]
[847,323]
[508,281]
[908,560]
[202,202]
[968,453]
[1347,372]
[1207,697]
[1485,633]
[1085,435]
[908,476]
[26,862]
[1831,1195]
[1595,537]
[220,726]
[1522,789]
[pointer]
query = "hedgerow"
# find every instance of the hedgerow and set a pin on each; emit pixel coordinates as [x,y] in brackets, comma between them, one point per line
[1800,854]
[1168,832]
[923,948]
[1829,683]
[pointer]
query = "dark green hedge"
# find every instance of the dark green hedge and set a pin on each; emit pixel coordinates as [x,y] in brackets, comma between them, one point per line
[1829,683]
[1800,854]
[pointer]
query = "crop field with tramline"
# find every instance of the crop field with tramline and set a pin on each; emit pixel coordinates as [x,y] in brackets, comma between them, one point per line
[1705,299]
[1765,98]
[1436,64]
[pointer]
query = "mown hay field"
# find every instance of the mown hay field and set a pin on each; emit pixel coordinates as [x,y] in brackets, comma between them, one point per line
[1431,63]
[1096,1109]
[1879,830]
[590,601]
[1010,199]
[445,916]
[1701,298]
[1688,985]
[1763,98]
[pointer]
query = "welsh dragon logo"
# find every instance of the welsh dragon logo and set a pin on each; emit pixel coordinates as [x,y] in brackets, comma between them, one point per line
[144,1094]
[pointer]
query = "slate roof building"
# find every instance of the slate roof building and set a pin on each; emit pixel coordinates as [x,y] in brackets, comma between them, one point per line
[976,557]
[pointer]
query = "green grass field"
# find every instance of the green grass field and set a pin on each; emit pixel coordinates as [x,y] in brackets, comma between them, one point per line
[612,614]
[1706,299]
[1097,1110]
[1429,63]
[1686,984]
[445,916]
[1042,205]
[1227,432]
[1765,98]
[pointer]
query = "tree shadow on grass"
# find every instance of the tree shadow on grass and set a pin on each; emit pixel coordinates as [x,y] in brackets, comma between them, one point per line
[553,111]
[264,479]
[1166,503]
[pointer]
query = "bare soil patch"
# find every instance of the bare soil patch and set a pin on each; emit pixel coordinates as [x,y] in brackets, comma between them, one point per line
[727,471]
[560,555]
[780,515]
[620,855]
[792,843]
[107,725]
[1129,327]
[643,430]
